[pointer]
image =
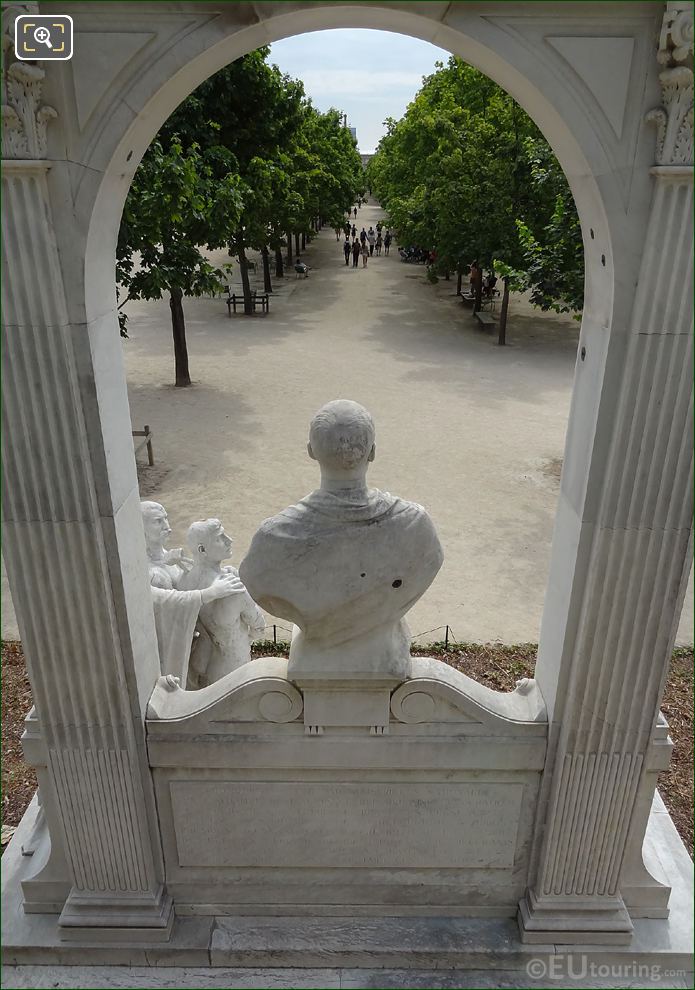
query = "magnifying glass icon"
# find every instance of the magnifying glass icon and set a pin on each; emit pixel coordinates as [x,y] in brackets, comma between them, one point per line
[43,36]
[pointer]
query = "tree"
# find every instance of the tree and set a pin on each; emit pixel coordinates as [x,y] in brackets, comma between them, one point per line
[244,117]
[174,204]
[294,163]
[244,160]
[466,173]
[552,251]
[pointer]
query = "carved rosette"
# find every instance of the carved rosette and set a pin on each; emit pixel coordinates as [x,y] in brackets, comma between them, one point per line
[674,119]
[24,120]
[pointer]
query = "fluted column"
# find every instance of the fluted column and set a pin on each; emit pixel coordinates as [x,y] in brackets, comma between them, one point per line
[90,665]
[638,556]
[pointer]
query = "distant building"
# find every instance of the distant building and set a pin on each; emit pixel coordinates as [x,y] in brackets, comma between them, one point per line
[353,131]
[366,158]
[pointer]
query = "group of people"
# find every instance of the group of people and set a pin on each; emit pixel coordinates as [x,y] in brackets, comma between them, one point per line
[366,244]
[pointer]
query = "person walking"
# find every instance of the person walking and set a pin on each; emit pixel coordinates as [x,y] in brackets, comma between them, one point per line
[379,242]
[337,233]
[355,212]
[371,239]
[346,251]
[355,252]
[353,231]
[387,242]
[365,253]
[363,236]
[475,278]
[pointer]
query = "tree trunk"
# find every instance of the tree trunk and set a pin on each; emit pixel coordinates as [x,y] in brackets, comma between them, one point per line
[267,284]
[178,327]
[478,304]
[244,269]
[279,266]
[289,248]
[296,244]
[459,277]
[502,338]
[303,240]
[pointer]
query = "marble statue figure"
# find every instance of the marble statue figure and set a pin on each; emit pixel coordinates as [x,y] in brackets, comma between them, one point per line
[226,627]
[175,611]
[346,562]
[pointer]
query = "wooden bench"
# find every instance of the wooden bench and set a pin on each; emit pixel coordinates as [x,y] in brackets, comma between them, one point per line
[257,299]
[147,442]
[485,319]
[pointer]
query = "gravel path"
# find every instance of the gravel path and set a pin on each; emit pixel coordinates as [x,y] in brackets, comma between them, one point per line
[473,431]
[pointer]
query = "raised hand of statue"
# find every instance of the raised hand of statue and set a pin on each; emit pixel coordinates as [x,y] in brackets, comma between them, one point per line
[222,587]
[177,556]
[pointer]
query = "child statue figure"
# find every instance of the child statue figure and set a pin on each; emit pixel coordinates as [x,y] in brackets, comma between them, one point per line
[227,627]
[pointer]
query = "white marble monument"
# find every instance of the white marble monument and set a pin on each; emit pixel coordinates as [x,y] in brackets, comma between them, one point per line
[153,794]
[346,562]
[226,626]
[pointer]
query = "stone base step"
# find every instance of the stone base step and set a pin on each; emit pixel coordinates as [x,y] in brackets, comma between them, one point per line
[348,952]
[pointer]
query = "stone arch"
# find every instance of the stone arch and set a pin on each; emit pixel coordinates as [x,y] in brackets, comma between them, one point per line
[564,119]
[542,58]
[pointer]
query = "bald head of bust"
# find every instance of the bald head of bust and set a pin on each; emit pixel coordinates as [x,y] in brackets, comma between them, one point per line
[341,439]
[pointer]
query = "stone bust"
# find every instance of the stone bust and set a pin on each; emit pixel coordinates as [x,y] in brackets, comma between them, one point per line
[345,563]
[226,626]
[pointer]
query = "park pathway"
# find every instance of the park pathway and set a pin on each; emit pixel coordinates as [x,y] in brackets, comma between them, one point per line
[473,431]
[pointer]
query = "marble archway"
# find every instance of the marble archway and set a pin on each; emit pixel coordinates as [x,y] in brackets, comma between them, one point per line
[596,78]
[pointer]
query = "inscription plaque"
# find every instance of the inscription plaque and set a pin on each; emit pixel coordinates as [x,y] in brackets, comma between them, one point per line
[333,824]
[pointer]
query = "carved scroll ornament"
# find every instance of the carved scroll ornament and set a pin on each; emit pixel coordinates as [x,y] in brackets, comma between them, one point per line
[674,119]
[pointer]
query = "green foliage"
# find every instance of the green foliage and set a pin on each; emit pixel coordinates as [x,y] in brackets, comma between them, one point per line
[295,163]
[175,203]
[467,173]
[243,161]
[553,266]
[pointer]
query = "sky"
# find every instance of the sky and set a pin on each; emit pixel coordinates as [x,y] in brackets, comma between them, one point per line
[370,75]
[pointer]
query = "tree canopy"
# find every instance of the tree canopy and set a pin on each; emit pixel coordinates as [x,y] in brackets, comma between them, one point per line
[467,174]
[175,205]
[246,161]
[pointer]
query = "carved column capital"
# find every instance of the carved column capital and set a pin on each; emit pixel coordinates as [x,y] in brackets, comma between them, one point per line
[24,120]
[674,119]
